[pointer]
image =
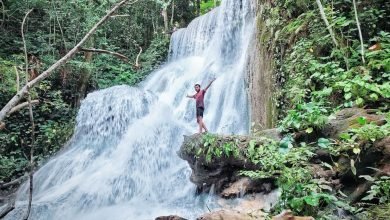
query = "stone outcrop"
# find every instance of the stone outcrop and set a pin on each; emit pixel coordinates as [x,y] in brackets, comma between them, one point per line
[221,171]
[288,215]
[384,146]
[244,186]
[170,217]
[227,214]
[272,133]
[248,208]
[261,74]
[347,118]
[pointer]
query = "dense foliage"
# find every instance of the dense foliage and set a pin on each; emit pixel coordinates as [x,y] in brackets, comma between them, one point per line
[316,78]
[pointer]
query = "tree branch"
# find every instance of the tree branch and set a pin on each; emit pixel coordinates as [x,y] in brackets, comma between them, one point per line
[22,105]
[332,35]
[14,101]
[360,31]
[323,16]
[116,16]
[120,56]
[13,182]
[17,79]
[137,65]
[31,165]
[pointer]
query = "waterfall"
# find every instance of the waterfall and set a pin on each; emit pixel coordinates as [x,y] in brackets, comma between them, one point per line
[122,161]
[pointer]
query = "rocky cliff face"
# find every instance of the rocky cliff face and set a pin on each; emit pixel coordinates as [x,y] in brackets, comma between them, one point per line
[222,171]
[261,74]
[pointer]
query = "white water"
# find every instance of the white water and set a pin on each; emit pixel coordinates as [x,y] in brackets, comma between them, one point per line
[121,162]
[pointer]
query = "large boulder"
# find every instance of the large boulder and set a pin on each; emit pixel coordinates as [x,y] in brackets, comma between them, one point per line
[347,118]
[249,207]
[227,214]
[288,215]
[220,171]
[384,146]
[170,217]
[244,186]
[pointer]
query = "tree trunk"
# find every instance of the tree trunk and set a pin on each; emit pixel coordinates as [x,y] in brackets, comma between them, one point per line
[165,16]
[85,75]
[31,164]
[173,12]
[360,31]
[16,99]
[323,16]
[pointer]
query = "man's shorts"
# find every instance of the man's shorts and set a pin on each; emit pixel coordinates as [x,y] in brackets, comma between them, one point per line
[199,111]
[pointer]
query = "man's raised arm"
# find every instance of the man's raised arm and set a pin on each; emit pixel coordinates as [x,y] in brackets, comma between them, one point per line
[207,87]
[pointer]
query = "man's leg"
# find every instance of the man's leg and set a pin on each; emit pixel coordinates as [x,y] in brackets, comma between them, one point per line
[204,126]
[199,119]
[201,124]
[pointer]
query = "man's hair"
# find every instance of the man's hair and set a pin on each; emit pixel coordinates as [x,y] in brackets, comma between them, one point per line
[197,85]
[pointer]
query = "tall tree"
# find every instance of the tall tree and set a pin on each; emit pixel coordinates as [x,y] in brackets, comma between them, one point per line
[20,95]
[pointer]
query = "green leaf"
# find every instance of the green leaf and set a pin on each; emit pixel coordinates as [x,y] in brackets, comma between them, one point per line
[342,194]
[362,120]
[353,168]
[367,177]
[359,101]
[369,197]
[345,136]
[297,203]
[374,96]
[348,96]
[356,150]
[323,186]
[309,130]
[312,200]
[286,142]
[323,142]
[327,165]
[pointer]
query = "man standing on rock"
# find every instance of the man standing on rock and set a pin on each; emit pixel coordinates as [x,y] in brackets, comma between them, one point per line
[199,97]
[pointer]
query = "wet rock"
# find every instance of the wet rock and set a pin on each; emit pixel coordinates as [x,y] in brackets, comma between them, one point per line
[273,134]
[347,118]
[249,207]
[246,185]
[319,172]
[251,203]
[384,146]
[221,171]
[170,217]
[7,204]
[229,215]
[261,77]
[288,215]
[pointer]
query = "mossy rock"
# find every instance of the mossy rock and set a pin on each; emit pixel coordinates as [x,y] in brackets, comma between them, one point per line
[347,119]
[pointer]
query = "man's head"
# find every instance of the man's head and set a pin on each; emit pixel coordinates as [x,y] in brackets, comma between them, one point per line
[197,87]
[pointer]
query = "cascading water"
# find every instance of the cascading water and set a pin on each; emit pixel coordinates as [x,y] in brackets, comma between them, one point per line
[121,162]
